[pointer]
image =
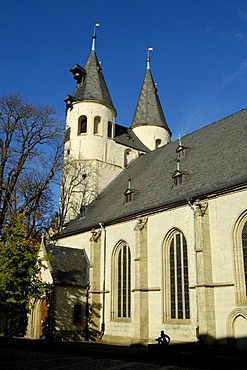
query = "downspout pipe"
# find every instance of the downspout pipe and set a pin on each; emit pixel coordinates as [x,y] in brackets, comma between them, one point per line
[189,200]
[103,288]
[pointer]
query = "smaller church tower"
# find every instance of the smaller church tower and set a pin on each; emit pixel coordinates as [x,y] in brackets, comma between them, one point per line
[149,123]
[90,111]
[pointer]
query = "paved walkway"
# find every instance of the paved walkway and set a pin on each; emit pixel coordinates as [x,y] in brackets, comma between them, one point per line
[11,359]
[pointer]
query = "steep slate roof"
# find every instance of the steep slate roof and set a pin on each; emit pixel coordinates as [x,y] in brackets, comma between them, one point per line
[215,161]
[127,137]
[69,265]
[93,87]
[149,110]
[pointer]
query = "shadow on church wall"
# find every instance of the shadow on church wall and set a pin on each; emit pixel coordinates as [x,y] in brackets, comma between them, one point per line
[60,323]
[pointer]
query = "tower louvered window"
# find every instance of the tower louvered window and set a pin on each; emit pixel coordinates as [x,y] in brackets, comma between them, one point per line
[179,282]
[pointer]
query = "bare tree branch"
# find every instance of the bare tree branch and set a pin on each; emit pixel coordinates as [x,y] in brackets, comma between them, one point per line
[77,188]
[31,147]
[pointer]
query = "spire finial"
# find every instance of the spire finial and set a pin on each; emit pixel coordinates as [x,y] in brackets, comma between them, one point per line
[94,35]
[179,140]
[148,57]
[129,182]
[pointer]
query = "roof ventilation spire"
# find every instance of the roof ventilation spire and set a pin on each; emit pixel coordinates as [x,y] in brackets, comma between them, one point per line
[148,57]
[179,140]
[94,36]
[129,183]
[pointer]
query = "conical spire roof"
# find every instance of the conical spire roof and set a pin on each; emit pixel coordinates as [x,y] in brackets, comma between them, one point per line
[92,85]
[149,110]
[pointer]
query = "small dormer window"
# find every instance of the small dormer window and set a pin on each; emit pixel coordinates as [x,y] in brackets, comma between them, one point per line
[177,176]
[177,180]
[128,194]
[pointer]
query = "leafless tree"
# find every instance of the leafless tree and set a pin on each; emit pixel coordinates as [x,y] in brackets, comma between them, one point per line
[30,157]
[77,188]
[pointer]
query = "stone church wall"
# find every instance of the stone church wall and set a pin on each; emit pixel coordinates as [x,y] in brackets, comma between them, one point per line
[208,228]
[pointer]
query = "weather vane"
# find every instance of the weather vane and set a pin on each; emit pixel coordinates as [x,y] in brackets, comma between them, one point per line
[148,56]
[94,27]
[94,35]
[148,51]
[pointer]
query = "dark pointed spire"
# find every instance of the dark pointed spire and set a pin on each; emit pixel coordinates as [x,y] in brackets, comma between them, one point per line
[149,110]
[92,86]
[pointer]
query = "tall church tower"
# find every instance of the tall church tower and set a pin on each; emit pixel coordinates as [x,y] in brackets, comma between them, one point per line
[149,123]
[90,129]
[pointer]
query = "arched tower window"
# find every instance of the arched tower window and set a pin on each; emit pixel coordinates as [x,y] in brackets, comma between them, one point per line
[157,143]
[77,319]
[109,129]
[122,281]
[82,125]
[177,280]
[97,125]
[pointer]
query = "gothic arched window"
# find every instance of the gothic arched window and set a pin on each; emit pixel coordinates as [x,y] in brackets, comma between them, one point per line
[244,246]
[177,280]
[122,281]
[82,125]
[240,258]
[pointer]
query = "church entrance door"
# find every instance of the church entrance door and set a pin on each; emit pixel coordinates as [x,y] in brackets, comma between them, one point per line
[43,316]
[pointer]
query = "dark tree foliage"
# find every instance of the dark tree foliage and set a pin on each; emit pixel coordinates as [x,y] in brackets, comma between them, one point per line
[20,281]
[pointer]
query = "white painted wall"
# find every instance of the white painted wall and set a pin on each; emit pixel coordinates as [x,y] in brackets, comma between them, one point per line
[148,134]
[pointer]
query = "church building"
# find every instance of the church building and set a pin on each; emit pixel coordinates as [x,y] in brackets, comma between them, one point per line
[163,244]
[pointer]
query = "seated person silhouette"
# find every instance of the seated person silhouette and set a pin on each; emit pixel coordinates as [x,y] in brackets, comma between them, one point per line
[163,339]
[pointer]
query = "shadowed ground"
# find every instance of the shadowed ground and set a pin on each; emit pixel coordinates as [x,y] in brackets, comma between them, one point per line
[25,354]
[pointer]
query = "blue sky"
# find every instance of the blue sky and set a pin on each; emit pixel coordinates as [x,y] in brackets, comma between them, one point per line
[199,60]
